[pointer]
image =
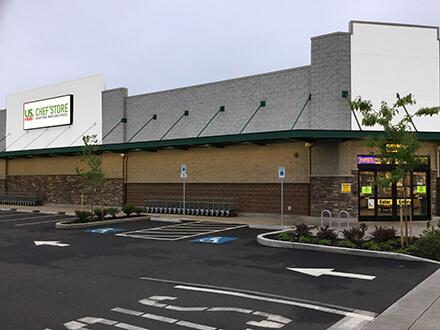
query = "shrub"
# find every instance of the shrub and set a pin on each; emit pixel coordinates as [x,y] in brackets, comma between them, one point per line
[347,243]
[325,242]
[382,234]
[302,230]
[138,210]
[390,245]
[326,233]
[307,239]
[285,237]
[113,211]
[372,245]
[83,216]
[355,234]
[128,209]
[428,245]
[100,213]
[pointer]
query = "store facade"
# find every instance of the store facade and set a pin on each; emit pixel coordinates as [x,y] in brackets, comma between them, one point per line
[234,134]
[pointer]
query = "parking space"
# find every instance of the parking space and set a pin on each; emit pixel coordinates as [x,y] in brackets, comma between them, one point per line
[23,219]
[181,231]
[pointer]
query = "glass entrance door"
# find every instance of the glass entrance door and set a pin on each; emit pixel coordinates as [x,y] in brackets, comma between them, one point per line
[420,194]
[385,200]
[382,201]
[367,203]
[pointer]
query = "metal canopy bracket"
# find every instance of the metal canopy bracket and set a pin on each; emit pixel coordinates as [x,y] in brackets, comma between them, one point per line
[123,120]
[309,98]
[185,114]
[262,105]
[154,117]
[221,109]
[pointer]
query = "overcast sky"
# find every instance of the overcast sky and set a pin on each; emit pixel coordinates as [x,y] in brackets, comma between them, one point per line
[148,45]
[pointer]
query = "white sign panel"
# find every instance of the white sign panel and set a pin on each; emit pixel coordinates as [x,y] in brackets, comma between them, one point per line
[56,111]
[183,173]
[281,172]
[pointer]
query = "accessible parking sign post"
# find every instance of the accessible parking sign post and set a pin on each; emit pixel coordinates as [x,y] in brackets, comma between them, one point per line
[183,176]
[281,176]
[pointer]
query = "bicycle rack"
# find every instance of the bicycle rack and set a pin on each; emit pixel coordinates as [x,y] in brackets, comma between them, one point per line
[347,216]
[323,212]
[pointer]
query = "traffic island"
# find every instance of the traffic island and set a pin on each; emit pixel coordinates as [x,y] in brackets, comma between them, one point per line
[278,239]
[74,224]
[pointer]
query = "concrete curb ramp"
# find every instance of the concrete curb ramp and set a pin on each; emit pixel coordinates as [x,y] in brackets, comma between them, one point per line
[263,240]
[69,225]
[419,309]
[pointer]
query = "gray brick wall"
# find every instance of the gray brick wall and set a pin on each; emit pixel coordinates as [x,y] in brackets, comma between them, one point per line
[2,129]
[113,109]
[285,92]
[330,75]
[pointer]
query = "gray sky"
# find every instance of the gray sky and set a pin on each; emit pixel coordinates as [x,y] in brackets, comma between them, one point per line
[154,45]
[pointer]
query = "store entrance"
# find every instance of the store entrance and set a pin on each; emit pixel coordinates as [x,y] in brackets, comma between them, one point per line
[382,202]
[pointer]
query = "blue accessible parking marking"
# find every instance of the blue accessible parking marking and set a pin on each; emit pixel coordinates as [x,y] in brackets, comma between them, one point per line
[214,239]
[104,230]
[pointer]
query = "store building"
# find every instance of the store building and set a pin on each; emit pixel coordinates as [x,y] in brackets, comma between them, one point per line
[234,134]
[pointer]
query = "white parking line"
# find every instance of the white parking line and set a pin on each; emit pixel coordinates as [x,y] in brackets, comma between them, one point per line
[256,295]
[41,222]
[13,216]
[180,231]
[28,218]
[278,301]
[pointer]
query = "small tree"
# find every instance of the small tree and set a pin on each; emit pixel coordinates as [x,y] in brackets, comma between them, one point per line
[398,144]
[93,176]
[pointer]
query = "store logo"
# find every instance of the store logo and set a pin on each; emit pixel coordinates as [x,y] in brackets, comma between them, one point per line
[28,115]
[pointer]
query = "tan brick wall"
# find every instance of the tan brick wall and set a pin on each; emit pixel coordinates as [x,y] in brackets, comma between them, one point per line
[61,165]
[237,164]
[2,168]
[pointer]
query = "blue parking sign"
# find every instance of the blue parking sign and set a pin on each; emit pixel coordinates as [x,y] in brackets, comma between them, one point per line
[214,239]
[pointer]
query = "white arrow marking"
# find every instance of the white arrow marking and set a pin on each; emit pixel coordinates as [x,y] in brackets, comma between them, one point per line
[330,271]
[51,243]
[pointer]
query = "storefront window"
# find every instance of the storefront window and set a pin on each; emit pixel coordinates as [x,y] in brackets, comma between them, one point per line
[420,193]
[366,194]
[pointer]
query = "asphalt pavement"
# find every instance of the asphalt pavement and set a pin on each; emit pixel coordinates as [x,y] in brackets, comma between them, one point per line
[113,279]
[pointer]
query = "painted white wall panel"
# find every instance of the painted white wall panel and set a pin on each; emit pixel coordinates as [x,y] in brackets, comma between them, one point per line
[87,115]
[390,59]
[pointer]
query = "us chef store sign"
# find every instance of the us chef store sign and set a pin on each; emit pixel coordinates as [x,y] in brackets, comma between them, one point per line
[50,112]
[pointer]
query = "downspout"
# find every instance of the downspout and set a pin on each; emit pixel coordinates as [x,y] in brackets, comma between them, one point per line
[309,146]
[438,161]
[124,178]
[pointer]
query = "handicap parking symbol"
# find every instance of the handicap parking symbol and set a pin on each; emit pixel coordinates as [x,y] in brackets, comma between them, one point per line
[214,239]
[104,230]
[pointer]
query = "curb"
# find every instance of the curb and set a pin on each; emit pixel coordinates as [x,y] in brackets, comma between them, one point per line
[69,225]
[35,211]
[262,240]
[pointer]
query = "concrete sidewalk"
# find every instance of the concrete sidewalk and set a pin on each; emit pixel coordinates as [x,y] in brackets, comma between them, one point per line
[264,221]
[418,310]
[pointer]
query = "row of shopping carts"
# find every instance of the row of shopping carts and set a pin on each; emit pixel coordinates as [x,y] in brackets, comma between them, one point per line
[206,207]
[27,199]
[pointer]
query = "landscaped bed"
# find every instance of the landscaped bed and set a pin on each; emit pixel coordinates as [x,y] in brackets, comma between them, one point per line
[427,245]
[107,216]
[103,214]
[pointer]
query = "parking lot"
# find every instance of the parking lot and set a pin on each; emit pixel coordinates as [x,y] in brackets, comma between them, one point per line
[158,275]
